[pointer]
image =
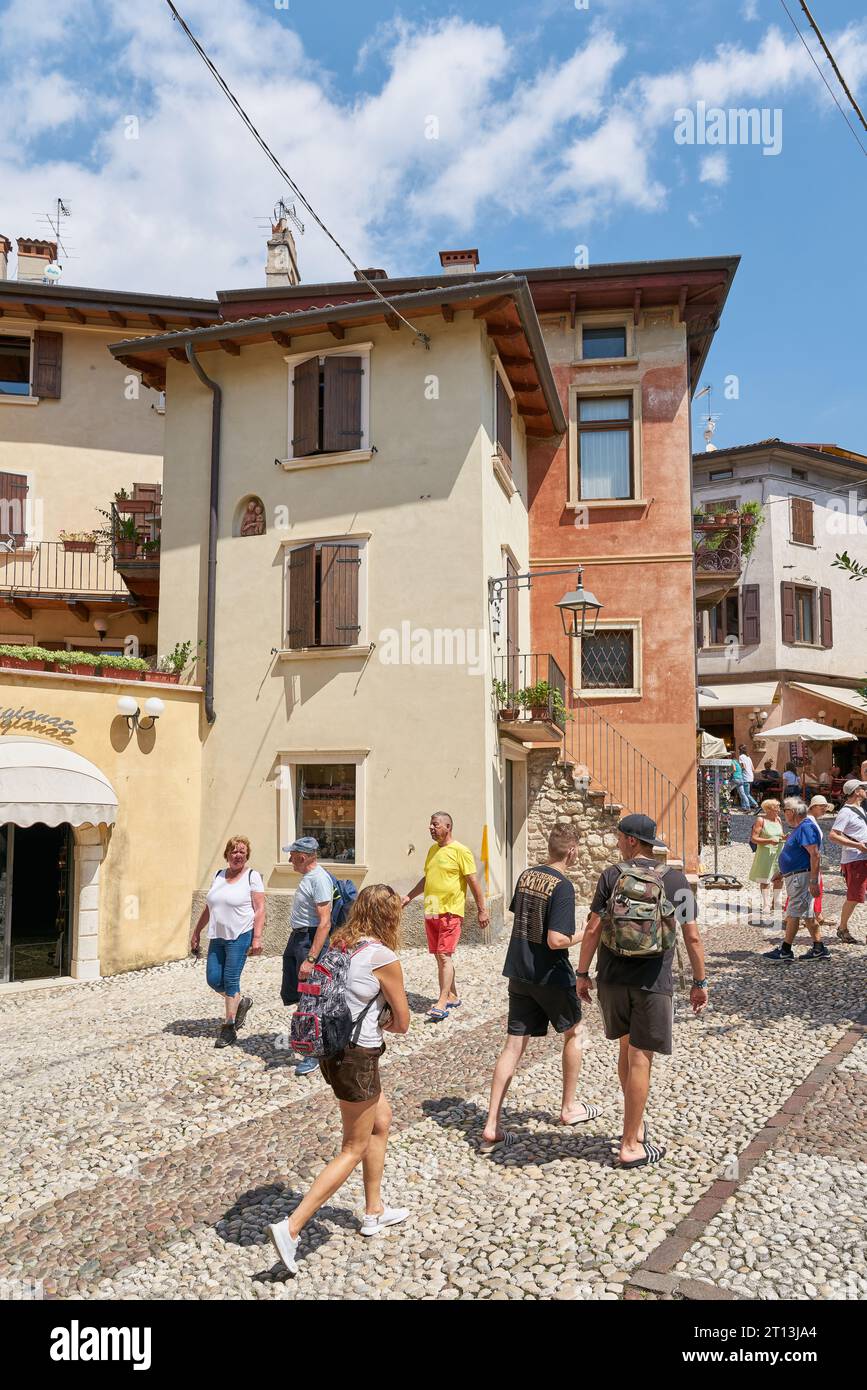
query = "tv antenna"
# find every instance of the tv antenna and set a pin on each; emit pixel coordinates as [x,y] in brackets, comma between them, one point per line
[709,419]
[283,209]
[55,221]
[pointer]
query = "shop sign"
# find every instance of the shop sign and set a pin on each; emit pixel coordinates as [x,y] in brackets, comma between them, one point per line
[33,721]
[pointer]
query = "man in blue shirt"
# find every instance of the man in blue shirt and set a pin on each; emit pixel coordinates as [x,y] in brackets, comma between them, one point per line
[799,869]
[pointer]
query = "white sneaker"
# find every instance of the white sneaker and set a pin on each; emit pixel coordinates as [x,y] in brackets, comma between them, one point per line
[371,1225]
[284,1244]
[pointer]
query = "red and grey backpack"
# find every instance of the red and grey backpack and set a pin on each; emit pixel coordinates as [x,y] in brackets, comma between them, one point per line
[323,1025]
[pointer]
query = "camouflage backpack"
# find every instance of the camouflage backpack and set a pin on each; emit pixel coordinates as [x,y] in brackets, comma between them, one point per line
[639,920]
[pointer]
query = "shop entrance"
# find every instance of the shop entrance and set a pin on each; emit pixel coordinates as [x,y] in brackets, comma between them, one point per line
[35,897]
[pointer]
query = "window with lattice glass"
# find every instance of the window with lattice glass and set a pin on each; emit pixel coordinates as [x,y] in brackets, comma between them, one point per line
[608,660]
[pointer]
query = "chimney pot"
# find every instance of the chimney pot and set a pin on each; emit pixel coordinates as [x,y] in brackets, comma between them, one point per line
[281,266]
[371,273]
[459,262]
[33,256]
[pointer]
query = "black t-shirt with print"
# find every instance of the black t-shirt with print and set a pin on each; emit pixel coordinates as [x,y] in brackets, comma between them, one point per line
[544,901]
[652,973]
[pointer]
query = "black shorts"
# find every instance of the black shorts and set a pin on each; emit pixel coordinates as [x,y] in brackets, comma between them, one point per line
[645,1017]
[533,1007]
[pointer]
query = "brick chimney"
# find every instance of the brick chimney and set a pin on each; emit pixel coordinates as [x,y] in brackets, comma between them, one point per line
[5,248]
[370,272]
[33,257]
[459,262]
[281,267]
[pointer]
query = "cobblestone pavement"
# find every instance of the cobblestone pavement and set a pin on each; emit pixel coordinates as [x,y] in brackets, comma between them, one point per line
[140,1162]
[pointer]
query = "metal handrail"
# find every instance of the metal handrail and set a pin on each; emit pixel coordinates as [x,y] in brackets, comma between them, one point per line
[628,778]
[519,673]
[49,567]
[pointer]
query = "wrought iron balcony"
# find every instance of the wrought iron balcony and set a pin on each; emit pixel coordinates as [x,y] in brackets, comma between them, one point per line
[52,568]
[718,558]
[530,695]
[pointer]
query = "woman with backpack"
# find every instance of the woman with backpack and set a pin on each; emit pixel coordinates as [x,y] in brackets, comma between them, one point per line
[371,990]
[234,914]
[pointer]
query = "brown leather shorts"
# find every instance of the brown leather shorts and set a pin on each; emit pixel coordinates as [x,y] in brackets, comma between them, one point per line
[353,1074]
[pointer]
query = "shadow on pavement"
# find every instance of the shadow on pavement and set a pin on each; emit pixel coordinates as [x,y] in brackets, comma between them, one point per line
[536,1147]
[246,1223]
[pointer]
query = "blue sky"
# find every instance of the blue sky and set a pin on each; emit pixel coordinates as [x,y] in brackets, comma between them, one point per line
[554,128]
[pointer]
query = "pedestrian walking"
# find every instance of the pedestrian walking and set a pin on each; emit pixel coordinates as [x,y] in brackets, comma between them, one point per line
[309,924]
[819,806]
[449,870]
[767,836]
[748,803]
[850,832]
[798,868]
[632,923]
[234,914]
[542,986]
[377,1003]
[749,772]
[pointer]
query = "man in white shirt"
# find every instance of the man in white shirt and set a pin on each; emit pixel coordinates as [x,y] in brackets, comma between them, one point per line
[309,923]
[746,763]
[850,832]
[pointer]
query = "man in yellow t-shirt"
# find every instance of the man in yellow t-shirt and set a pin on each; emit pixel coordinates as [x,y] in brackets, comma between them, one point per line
[449,870]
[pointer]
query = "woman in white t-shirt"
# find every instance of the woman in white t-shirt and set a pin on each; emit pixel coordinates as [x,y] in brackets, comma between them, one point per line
[234,913]
[371,933]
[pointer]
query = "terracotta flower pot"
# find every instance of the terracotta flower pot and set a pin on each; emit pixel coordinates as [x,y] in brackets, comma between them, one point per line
[134,506]
[509,712]
[539,712]
[82,547]
[19,663]
[125,550]
[163,677]
[79,668]
[119,673]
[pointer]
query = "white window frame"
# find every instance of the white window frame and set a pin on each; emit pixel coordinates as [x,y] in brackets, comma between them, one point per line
[23,331]
[583,391]
[613,693]
[362,540]
[599,318]
[359,455]
[287,789]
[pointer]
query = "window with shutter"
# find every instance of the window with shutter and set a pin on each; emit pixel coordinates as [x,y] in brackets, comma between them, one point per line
[305,425]
[301,631]
[338,594]
[751,631]
[504,420]
[805,628]
[787,608]
[802,520]
[47,362]
[826,620]
[341,404]
[13,507]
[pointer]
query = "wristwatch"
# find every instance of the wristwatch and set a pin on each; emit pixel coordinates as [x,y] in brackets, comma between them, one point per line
[699,984]
[583,974]
[311,960]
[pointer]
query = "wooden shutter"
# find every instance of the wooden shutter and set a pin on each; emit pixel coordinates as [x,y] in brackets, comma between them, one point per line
[301,631]
[13,507]
[699,631]
[802,520]
[751,629]
[47,362]
[305,421]
[787,604]
[341,423]
[504,419]
[827,623]
[338,594]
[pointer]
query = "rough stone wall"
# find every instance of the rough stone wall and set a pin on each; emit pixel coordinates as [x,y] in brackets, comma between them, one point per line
[553,798]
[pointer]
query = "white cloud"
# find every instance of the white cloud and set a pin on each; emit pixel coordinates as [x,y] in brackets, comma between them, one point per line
[750,10]
[714,169]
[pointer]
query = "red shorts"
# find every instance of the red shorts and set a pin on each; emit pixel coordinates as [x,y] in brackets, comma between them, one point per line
[855,875]
[443,933]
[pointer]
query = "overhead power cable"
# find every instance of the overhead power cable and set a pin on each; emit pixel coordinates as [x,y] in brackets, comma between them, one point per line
[227,91]
[857,137]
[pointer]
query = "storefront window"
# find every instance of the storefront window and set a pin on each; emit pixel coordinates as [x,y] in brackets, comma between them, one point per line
[325,808]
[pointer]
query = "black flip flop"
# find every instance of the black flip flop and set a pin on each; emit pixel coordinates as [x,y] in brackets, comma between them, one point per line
[652,1154]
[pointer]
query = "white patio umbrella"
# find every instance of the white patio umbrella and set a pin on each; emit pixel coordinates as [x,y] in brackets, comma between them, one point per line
[809,731]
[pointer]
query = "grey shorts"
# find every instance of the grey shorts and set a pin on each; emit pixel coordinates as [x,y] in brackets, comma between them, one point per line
[800,898]
[644,1017]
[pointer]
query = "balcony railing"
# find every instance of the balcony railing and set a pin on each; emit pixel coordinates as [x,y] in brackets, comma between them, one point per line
[717,547]
[47,567]
[135,535]
[532,686]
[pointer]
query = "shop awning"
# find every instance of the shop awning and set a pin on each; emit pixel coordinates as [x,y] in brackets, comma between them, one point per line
[735,696]
[837,695]
[43,783]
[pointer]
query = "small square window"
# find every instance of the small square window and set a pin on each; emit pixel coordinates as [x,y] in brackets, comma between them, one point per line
[14,366]
[325,808]
[608,660]
[603,342]
[719,473]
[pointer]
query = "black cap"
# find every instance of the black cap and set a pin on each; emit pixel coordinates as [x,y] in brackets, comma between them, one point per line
[641,828]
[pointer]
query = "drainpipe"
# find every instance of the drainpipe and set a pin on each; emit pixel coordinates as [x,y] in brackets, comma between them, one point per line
[216,419]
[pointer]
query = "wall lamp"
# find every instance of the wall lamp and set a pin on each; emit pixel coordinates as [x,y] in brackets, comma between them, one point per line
[758,718]
[579,609]
[128,707]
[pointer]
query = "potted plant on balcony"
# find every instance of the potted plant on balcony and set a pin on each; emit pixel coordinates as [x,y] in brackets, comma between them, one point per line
[752,515]
[128,668]
[126,538]
[169,668]
[543,701]
[132,506]
[25,658]
[76,663]
[84,541]
[507,700]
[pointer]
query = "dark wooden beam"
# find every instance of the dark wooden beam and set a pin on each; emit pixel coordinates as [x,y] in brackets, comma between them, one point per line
[510,360]
[393,322]
[636,307]
[141,615]
[536,433]
[336,330]
[75,314]
[507,331]
[117,318]
[20,607]
[523,390]
[200,323]
[448,313]
[35,312]
[81,610]
[533,409]
[283,339]
[229,346]
[158,321]
[573,299]
[681,300]
[491,306]
[178,354]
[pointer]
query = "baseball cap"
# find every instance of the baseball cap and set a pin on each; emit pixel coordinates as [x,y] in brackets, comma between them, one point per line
[642,828]
[305,845]
[852,786]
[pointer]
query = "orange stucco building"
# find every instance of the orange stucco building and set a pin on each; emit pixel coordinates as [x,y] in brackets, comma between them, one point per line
[627,344]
